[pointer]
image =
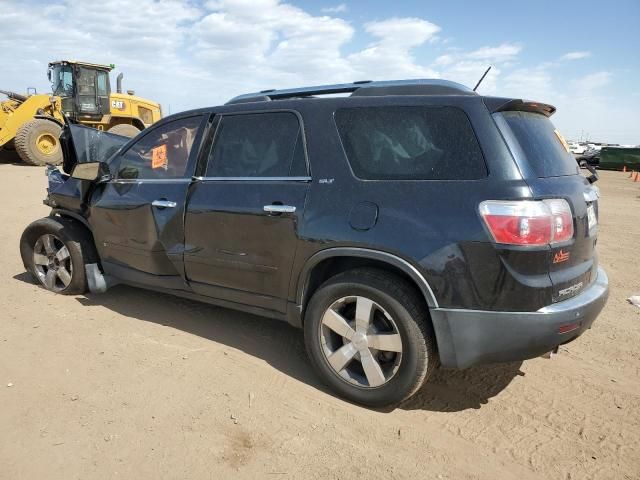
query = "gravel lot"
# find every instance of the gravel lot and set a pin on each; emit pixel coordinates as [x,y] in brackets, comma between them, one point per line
[135,384]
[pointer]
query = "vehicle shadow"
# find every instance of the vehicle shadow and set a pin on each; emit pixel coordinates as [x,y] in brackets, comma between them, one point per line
[9,156]
[282,346]
[457,390]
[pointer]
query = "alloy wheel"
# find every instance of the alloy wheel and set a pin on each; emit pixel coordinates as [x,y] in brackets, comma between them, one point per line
[360,341]
[52,262]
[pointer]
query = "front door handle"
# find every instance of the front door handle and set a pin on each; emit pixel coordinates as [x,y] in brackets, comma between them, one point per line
[279,208]
[163,203]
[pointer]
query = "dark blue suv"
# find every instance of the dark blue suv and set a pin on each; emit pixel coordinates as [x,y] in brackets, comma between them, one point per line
[400,224]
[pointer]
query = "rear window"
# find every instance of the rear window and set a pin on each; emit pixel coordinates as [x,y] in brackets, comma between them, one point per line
[410,143]
[541,143]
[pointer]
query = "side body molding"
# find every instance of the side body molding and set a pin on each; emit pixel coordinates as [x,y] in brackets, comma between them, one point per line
[385,257]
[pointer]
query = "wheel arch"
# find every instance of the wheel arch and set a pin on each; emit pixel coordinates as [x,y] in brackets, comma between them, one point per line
[329,262]
[50,118]
[117,120]
[62,212]
[81,225]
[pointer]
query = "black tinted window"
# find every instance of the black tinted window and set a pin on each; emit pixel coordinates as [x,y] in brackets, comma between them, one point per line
[258,145]
[410,143]
[541,143]
[162,153]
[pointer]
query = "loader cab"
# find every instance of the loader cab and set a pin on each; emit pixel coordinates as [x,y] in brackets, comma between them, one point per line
[83,87]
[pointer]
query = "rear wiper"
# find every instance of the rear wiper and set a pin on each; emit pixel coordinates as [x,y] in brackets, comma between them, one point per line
[594,176]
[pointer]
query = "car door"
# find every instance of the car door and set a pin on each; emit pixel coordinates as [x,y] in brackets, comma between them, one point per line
[242,218]
[137,217]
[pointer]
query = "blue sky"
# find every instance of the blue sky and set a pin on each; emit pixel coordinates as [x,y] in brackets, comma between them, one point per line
[581,56]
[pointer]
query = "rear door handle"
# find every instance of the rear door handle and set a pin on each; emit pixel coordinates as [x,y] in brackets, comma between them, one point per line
[163,203]
[279,208]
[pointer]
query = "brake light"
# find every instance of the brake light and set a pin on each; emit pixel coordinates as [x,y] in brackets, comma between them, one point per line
[528,222]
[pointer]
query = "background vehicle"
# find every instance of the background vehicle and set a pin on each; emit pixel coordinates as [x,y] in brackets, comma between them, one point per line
[409,224]
[82,91]
[591,156]
[577,148]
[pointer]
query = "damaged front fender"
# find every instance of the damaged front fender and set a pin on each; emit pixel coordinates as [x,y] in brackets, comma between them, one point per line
[79,145]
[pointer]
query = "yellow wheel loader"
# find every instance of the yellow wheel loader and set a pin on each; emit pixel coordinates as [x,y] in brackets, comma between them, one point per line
[80,91]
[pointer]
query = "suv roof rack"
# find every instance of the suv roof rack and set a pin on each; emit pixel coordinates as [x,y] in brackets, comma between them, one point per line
[361,88]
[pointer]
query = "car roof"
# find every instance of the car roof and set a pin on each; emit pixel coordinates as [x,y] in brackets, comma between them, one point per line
[360,88]
[437,89]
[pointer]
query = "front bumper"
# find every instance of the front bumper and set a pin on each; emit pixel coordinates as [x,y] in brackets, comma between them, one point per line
[472,337]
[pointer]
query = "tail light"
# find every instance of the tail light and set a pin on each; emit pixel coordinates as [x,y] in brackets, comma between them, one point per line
[528,222]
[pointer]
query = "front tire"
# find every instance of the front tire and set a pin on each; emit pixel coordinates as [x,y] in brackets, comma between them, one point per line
[124,130]
[38,142]
[54,251]
[369,337]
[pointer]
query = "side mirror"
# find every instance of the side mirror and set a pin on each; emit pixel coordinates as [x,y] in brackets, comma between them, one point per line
[93,172]
[594,175]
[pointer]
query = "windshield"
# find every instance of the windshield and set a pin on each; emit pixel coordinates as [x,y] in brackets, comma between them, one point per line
[62,80]
[93,145]
[542,144]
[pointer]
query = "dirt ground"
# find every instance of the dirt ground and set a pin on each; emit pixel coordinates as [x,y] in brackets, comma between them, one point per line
[133,384]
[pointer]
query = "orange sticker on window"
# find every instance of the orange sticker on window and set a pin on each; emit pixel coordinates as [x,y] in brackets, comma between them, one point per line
[562,140]
[159,157]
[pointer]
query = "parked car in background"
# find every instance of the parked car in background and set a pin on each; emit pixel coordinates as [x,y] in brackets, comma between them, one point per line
[591,156]
[577,148]
[408,225]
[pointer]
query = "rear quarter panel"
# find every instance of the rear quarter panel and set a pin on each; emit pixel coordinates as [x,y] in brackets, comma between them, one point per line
[434,225]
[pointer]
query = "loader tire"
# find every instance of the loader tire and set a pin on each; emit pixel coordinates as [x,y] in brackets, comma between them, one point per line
[38,142]
[124,130]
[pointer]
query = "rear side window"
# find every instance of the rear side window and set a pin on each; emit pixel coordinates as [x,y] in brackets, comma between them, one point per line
[258,145]
[410,143]
[541,143]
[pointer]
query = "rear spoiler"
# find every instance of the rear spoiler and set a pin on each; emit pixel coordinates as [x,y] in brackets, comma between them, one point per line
[496,104]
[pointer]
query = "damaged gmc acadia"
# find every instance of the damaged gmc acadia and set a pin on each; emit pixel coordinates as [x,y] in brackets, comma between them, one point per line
[402,225]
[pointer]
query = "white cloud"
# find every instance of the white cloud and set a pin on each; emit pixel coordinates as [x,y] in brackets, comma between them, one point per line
[575,55]
[272,44]
[188,54]
[390,56]
[529,83]
[403,32]
[444,60]
[501,53]
[593,81]
[468,67]
[341,8]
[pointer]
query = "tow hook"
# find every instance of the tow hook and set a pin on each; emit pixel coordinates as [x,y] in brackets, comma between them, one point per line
[551,354]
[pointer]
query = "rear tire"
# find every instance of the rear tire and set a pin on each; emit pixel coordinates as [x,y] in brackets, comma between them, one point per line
[369,337]
[124,130]
[55,251]
[38,142]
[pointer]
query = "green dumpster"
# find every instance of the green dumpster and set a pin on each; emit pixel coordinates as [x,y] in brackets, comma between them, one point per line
[615,158]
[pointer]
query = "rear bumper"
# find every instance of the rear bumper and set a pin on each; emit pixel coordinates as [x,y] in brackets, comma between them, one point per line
[472,337]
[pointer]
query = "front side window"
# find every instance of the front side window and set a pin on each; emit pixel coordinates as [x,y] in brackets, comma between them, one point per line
[62,80]
[163,153]
[103,78]
[258,145]
[410,143]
